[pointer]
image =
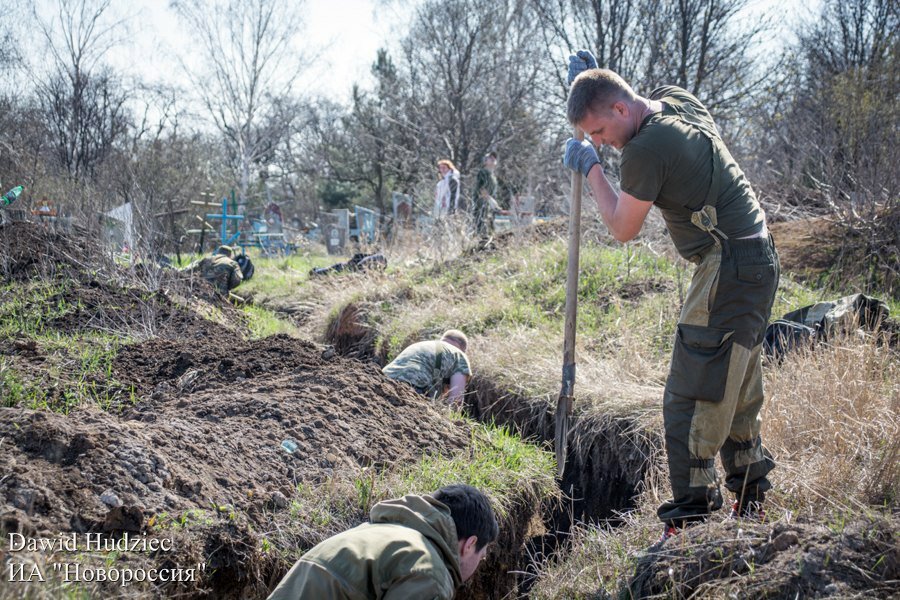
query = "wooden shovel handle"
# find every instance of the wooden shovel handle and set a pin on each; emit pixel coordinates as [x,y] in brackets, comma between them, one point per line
[572,279]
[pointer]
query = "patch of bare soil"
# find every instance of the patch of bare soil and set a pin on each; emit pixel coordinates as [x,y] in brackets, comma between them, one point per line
[858,559]
[806,247]
[209,437]
[221,431]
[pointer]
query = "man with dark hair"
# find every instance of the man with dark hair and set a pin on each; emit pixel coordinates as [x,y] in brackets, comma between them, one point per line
[673,157]
[435,367]
[413,547]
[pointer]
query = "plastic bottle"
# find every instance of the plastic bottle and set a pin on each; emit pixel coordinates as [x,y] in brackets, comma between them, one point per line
[10,196]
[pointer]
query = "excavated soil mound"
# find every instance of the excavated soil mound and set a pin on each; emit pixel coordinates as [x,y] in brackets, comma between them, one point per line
[210,434]
[28,250]
[129,311]
[858,559]
[138,302]
[209,361]
[202,443]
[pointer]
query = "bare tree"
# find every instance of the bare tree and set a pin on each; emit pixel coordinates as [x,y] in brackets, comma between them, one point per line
[830,132]
[375,147]
[83,101]
[608,28]
[708,47]
[471,66]
[251,64]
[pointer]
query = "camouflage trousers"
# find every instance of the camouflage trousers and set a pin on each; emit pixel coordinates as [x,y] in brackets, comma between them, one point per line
[714,391]
[483,217]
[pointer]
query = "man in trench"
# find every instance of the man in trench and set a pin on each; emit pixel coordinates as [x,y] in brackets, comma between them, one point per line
[435,367]
[220,269]
[413,547]
[672,156]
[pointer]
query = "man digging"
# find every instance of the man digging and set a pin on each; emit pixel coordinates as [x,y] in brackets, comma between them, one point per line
[673,157]
[435,368]
[413,547]
[220,269]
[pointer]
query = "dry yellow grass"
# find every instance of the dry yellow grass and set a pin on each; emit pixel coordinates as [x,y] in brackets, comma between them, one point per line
[832,420]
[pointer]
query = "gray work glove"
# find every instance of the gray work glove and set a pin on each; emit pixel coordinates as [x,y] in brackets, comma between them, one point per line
[580,61]
[580,156]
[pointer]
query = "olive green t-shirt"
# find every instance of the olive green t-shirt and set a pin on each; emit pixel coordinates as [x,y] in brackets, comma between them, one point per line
[670,162]
[417,365]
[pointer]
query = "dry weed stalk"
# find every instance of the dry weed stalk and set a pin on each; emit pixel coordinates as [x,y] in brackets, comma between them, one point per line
[833,422]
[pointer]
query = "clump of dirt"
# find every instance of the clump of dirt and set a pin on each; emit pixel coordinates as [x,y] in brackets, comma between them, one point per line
[806,247]
[212,446]
[831,251]
[348,332]
[788,560]
[29,250]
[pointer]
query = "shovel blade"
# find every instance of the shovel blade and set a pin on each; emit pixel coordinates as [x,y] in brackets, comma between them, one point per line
[561,441]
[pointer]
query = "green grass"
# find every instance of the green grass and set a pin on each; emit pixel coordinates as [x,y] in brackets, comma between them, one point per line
[78,369]
[620,287]
[497,462]
[280,276]
[509,470]
[262,322]
[28,308]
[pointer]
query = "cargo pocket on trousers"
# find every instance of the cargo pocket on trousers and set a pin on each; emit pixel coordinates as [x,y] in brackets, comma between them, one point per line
[700,362]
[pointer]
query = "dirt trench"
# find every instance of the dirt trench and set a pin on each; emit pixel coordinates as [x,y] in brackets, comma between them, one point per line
[608,458]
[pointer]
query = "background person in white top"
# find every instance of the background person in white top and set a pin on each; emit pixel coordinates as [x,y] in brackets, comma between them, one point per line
[446,195]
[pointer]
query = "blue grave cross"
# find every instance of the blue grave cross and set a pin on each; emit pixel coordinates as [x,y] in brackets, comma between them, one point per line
[226,240]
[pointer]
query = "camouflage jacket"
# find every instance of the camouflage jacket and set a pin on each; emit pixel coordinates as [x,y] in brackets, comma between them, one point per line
[221,271]
[418,365]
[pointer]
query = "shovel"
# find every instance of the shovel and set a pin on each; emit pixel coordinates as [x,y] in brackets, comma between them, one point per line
[566,394]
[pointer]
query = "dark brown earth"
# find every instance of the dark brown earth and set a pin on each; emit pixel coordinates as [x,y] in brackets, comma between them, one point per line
[198,437]
[203,430]
[854,559]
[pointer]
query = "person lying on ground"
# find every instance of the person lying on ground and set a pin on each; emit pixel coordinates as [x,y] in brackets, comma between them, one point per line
[359,262]
[412,547]
[220,269]
[435,367]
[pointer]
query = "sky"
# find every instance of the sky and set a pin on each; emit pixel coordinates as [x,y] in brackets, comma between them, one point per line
[346,33]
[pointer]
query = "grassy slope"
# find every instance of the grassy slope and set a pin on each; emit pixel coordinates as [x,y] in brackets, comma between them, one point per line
[831,417]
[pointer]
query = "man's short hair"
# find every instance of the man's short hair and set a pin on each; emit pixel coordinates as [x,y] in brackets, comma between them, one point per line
[596,90]
[490,155]
[455,335]
[471,512]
